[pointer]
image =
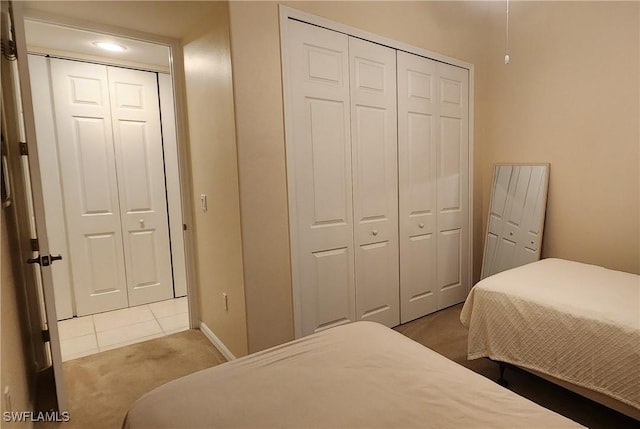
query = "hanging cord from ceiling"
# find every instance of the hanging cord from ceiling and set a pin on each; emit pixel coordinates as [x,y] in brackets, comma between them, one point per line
[506,38]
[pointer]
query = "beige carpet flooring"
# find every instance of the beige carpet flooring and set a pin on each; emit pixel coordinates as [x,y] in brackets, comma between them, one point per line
[101,387]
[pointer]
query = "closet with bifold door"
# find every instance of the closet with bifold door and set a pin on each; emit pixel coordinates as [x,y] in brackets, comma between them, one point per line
[433,165]
[377,160]
[111,169]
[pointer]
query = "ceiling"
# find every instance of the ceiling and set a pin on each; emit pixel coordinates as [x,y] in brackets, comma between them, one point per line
[62,41]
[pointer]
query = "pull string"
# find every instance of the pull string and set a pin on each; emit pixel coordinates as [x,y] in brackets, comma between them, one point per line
[506,45]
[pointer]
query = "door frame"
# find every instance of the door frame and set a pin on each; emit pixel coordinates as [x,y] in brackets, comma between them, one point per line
[46,285]
[286,13]
[179,98]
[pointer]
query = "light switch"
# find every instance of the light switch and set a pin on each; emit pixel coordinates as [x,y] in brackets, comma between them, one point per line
[203,202]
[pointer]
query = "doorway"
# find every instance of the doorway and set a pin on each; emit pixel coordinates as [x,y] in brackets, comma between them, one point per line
[106,134]
[86,335]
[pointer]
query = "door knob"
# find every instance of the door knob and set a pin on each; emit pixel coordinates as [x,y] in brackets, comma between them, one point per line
[421,225]
[374,232]
[44,260]
[141,223]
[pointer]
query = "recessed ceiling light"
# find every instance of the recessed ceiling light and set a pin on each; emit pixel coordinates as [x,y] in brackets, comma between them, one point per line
[110,46]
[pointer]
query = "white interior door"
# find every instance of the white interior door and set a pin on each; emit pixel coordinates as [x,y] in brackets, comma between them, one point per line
[516,217]
[452,154]
[417,185]
[51,184]
[141,183]
[320,184]
[375,180]
[20,114]
[88,169]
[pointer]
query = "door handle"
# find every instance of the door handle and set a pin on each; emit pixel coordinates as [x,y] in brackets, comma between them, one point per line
[44,260]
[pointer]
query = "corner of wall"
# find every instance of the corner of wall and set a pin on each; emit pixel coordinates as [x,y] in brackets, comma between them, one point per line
[214,174]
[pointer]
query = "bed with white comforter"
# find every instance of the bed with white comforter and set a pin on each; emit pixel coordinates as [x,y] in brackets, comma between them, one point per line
[574,322]
[360,375]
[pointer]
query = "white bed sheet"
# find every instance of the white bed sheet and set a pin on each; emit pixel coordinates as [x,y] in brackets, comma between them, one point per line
[361,375]
[577,322]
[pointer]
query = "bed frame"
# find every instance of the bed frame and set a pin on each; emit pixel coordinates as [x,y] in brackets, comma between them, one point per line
[509,314]
[601,399]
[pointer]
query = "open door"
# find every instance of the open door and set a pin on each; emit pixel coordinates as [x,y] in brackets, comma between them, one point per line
[18,129]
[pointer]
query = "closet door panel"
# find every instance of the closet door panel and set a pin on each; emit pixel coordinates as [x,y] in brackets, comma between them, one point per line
[331,278]
[327,202]
[417,185]
[453,184]
[375,299]
[375,183]
[450,256]
[104,254]
[319,159]
[450,199]
[141,184]
[87,166]
[371,171]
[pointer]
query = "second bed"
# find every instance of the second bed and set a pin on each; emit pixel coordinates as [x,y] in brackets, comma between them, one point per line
[575,324]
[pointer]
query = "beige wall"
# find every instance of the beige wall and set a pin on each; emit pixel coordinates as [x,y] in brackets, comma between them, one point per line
[570,97]
[14,369]
[215,173]
[453,29]
[165,18]
[202,27]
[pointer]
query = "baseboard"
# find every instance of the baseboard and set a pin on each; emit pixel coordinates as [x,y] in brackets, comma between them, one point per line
[216,342]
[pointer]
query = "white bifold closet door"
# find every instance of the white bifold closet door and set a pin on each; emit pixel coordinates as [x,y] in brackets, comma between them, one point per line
[342,157]
[433,164]
[320,156]
[375,180]
[110,146]
[135,113]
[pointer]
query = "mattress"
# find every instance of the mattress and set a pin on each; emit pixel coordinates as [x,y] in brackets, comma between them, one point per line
[360,375]
[576,322]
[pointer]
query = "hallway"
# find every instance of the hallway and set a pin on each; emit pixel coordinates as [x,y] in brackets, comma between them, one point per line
[82,336]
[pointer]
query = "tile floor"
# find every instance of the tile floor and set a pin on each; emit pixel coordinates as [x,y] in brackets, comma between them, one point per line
[82,336]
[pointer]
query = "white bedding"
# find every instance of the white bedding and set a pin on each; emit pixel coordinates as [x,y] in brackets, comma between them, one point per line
[361,375]
[579,323]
